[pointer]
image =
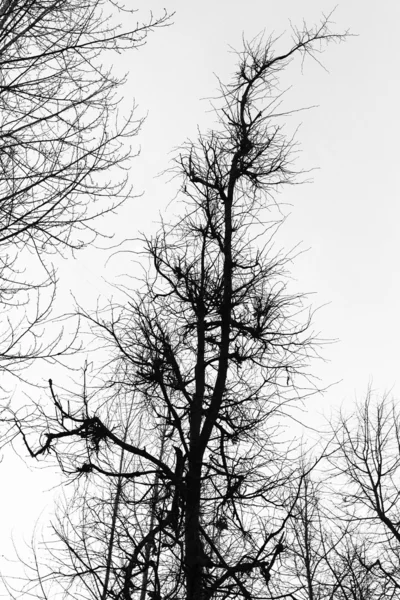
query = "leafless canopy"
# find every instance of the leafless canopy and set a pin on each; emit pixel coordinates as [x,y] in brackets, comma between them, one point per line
[62,140]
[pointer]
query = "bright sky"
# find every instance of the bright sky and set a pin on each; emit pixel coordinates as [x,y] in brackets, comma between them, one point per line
[348,217]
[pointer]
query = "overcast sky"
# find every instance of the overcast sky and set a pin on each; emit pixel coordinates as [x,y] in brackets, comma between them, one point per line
[348,217]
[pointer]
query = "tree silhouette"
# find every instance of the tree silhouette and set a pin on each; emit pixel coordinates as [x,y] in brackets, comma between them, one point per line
[210,353]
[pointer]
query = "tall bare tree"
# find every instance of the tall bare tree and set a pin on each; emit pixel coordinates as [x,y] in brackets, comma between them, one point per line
[215,350]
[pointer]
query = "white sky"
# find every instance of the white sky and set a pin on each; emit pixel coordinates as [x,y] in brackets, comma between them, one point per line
[348,216]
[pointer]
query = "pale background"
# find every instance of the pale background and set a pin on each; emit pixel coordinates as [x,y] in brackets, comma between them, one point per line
[348,217]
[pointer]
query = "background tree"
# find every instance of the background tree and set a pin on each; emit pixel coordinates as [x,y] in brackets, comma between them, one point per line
[367,461]
[215,350]
[309,542]
[62,140]
[326,554]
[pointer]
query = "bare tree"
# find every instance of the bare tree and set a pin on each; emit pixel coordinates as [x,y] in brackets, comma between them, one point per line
[62,142]
[327,554]
[309,541]
[215,350]
[367,461]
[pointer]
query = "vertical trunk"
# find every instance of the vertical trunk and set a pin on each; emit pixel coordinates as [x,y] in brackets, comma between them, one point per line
[308,553]
[154,499]
[193,546]
[226,309]
[113,526]
[196,559]
[115,510]
[194,552]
